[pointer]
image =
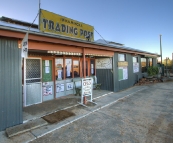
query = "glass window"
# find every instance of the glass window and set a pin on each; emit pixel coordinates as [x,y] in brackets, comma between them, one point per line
[143,65]
[59,68]
[121,57]
[92,67]
[150,60]
[76,68]
[68,66]
[135,59]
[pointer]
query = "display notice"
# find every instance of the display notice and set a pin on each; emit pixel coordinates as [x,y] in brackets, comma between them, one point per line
[47,63]
[87,87]
[59,87]
[68,64]
[122,73]
[47,90]
[69,85]
[104,63]
[59,74]
[47,69]
[135,67]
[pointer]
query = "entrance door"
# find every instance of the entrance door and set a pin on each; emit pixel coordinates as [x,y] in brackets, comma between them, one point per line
[32,81]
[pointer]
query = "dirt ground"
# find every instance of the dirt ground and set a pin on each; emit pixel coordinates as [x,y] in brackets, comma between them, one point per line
[58,116]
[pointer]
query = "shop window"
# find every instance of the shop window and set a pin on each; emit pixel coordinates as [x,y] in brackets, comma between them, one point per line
[76,68]
[68,66]
[135,65]
[59,68]
[135,59]
[92,67]
[121,57]
[150,60]
[143,65]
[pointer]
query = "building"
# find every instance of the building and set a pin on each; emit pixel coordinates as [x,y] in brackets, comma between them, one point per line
[55,60]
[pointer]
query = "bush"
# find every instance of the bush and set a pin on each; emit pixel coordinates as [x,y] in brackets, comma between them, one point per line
[152,71]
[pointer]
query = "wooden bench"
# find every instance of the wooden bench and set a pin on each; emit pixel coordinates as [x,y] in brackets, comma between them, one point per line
[95,84]
[78,86]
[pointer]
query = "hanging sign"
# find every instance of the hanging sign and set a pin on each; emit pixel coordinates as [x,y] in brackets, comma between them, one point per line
[24,52]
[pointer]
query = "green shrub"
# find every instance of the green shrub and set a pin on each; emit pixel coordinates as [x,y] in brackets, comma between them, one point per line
[152,70]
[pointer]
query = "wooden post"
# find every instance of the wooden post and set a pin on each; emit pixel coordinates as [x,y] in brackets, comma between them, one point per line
[64,69]
[84,63]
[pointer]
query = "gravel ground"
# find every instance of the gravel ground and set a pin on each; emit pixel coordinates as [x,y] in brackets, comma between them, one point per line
[144,117]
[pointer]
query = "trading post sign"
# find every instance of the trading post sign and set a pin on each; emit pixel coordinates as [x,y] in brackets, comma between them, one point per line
[57,24]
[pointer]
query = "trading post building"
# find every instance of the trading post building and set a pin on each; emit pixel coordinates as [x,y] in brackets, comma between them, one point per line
[58,51]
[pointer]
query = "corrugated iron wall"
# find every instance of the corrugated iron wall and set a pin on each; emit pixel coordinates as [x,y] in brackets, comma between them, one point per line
[11,84]
[105,77]
[132,77]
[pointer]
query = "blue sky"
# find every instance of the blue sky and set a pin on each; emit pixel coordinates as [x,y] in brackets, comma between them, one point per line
[135,23]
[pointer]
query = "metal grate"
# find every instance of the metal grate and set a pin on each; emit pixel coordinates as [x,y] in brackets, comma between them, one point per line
[33,69]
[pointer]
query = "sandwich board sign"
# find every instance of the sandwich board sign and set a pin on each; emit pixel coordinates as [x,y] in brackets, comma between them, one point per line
[87,90]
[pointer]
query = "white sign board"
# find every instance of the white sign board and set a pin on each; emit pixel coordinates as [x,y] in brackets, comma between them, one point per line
[135,67]
[69,86]
[87,84]
[104,63]
[47,90]
[59,87]
[24,52]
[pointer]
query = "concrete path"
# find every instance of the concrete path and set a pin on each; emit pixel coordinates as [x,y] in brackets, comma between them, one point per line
[145,116]
[139,105]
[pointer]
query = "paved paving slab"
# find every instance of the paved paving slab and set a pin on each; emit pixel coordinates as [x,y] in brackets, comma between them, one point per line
[12,131]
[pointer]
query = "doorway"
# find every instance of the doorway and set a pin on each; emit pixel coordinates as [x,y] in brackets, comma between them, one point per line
[32,81]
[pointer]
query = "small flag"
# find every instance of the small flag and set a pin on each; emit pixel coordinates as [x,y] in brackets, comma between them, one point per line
[24,44]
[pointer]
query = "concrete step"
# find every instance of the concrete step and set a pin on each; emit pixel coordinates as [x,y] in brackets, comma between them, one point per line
[15,130]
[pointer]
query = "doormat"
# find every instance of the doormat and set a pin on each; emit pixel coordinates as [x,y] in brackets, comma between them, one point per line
[58,116]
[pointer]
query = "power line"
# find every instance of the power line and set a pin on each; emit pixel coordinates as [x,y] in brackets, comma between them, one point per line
[101,36]
[34,21]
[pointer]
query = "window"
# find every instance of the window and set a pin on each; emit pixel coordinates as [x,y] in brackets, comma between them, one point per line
[135,65]
[68,67]
[135,59]
[150,61]
[143,65]
[59,68]
[76,68]
[121,57]
[92,67]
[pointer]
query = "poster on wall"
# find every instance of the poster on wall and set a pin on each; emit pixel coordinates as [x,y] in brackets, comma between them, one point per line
[104,63]
[135,67]
[59,74]
[47,90]
[59,87]
[47,63]
[47,69]
[68,64]
[122,73]
[69,85]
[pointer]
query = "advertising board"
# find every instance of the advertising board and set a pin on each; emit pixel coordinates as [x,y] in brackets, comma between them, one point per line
[57,24]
